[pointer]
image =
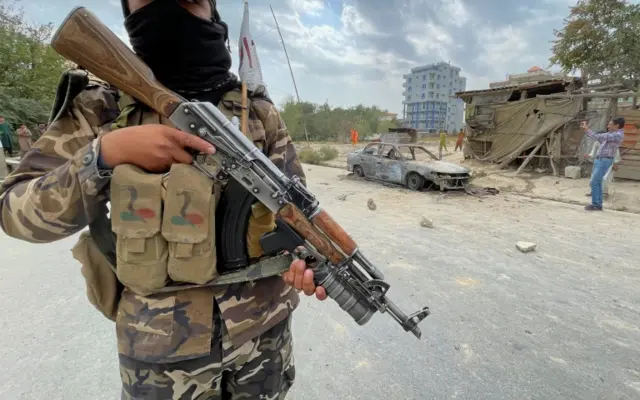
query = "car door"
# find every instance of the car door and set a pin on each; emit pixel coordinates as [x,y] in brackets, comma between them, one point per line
[389,165]
[368,159]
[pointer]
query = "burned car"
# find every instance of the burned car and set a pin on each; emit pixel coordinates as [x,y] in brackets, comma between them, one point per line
[410,165]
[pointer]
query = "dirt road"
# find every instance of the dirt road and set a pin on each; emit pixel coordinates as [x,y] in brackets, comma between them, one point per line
[559,323]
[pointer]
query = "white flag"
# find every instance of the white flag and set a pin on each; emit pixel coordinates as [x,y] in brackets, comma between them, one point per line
[249,70]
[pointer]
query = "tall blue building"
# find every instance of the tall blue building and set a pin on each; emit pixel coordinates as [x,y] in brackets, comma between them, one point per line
[429,98]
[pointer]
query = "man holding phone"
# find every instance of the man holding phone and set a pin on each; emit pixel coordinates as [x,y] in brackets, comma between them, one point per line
[609,144]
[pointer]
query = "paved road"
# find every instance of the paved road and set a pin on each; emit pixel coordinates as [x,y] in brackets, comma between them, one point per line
[560,323]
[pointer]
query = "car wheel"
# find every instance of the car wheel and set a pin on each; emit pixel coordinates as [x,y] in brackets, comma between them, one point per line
[415,181]
[358,171]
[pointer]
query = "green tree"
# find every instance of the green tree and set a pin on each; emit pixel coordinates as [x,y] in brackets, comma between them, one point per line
[29,68]
[325,123]
[599,39]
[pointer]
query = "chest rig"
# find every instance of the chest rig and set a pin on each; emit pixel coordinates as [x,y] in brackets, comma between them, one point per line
[165,230]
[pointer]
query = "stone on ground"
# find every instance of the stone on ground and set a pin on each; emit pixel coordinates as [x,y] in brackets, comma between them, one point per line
[526,247]
[573,172]
[371,204]
[426,223]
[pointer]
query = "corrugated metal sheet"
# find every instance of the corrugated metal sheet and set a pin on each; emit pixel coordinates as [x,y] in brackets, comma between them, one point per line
[630,148]
[523,86]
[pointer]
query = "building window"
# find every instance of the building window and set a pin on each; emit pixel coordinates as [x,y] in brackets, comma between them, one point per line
[424,77]
[409,97]
[424,85]
[437,95]
[409,89]
[422,96]
[438,86]
[409,80]
[431,95]
[432,76]
[432,85]
[424,106]
[438,76]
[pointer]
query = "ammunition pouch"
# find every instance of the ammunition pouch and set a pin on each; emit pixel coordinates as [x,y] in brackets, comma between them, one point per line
[136,218]
[188,225]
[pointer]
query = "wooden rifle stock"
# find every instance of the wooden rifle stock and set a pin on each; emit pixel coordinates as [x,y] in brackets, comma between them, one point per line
[85,40]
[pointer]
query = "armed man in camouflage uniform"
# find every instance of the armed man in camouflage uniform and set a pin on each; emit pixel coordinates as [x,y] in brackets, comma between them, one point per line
[205,342]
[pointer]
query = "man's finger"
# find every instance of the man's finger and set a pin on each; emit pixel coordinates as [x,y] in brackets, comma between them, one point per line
[184,140]
[181,156]
[288,278]
[298,267]
[308,286]
[321,294]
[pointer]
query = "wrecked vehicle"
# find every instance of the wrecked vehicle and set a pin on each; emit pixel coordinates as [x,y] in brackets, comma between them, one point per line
[410,165]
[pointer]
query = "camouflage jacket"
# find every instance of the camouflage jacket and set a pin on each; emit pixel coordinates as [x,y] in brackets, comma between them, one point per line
[57,190]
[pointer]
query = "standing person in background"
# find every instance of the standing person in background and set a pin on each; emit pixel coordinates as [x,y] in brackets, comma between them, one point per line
[354,137]
[24,139]
[608,178]
[609,144]
[443,142]
[5,136]
[39,132]
[460,140]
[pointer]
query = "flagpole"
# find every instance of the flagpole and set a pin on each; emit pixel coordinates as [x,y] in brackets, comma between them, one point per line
[304,126]
[244,114]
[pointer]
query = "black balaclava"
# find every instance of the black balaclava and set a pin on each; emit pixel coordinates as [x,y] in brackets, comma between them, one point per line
[186,53]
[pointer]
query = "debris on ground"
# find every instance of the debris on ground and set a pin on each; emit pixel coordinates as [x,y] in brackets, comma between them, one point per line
[480,191]
[371,204]
[342,197]
[526,247]
[426,223]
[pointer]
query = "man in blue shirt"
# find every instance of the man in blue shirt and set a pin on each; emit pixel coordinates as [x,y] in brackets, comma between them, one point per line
[609,144]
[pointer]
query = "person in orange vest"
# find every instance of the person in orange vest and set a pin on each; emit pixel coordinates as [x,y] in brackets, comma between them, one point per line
[354,137]
[460,140]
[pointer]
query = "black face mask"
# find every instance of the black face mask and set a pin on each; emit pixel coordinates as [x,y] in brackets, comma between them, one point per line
[186,53]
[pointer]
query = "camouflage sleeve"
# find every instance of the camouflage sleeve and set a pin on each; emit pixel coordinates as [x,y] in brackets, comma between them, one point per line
[57,189]
[278,144]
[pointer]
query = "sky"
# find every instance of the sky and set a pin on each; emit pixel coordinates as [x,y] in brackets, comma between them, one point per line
[350,52]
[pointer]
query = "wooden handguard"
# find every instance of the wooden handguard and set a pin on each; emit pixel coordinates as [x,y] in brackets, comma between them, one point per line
[294,218]
[335,232]
[85,40]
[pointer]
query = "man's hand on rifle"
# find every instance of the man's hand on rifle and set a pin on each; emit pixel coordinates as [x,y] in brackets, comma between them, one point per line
[151,147]
[301,278]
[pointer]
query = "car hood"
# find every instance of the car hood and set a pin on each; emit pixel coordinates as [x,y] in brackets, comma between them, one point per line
[443,167]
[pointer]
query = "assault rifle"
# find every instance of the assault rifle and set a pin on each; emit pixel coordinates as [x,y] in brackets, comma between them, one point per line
[339,266]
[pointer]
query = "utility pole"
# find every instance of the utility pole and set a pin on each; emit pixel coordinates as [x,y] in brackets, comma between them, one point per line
[304,126]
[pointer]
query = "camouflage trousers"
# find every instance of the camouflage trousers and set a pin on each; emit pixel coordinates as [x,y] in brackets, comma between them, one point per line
[262,368]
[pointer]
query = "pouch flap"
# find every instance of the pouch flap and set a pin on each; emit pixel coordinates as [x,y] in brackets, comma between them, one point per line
[187,206]
[136,202]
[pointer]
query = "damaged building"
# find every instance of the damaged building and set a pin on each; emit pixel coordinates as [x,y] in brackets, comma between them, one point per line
[537,124]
